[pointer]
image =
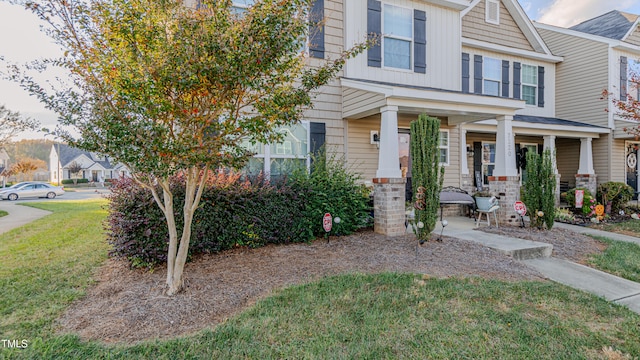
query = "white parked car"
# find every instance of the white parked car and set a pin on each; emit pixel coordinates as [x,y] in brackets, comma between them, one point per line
[31,190]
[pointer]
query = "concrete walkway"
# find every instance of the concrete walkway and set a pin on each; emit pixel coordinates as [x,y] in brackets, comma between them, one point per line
[18,215]
[538,256]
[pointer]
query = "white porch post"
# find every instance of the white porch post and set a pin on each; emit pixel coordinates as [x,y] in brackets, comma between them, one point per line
[505,148]
[586,157]
[550,143]
[389,154]
[464,166]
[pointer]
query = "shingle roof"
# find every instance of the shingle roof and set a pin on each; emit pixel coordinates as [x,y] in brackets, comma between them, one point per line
[613,25]
[68,154]
[552,121]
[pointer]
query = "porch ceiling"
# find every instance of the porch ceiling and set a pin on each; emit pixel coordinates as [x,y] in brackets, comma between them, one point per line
[362,98]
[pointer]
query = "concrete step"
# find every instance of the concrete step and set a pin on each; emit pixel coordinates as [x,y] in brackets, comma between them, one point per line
[519,249]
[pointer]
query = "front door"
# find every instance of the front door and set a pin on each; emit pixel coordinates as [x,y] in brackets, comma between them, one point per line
[631,160]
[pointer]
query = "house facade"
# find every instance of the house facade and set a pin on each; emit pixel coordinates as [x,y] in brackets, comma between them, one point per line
[94,167]
[600,53]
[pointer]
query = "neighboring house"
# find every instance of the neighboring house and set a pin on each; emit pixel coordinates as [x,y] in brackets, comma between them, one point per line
[4,164]
[95,167]
[600,53]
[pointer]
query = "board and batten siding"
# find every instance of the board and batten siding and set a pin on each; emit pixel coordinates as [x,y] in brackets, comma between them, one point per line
[549,79]
[443,58]
[508,33]
[580,78]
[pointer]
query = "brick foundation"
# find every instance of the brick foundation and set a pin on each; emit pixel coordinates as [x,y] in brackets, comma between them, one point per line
[507,188]
[587,181]
[389,206]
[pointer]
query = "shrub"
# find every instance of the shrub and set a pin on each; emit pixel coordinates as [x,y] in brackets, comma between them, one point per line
[539,192]
[587,200]
[618,193]
[77,181]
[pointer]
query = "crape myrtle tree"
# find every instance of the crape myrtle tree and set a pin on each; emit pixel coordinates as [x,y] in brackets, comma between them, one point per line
[626,105]
[170,89]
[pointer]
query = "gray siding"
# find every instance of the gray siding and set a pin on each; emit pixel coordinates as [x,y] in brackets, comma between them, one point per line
[568,159]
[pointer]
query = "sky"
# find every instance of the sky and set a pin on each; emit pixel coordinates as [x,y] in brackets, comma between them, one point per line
[21,41]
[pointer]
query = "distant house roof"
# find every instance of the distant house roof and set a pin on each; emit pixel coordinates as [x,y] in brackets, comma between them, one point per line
[69,154]
[552,121]
[613,25]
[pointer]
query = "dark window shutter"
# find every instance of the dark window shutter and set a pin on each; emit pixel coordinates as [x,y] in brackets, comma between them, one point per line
[419,41]
[519,157]
[505,78]
[316,30]
[477,74]
[623,78]
[374,26]
[516,80]
[477,162]
[465,72]
[317,133]
[540,86]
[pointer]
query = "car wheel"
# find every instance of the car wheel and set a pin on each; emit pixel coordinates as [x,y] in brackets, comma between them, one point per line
[13,197]
[51,195]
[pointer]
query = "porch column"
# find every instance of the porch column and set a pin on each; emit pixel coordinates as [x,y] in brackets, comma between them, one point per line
[464,166]
[505,182]
[550,144]
[389,154]
[505,148]
[586,176]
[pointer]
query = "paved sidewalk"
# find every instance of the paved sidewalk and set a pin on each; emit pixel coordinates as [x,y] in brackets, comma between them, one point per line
[18,215]
[539,256]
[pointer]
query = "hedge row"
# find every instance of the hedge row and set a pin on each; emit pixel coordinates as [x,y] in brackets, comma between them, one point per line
[235,212]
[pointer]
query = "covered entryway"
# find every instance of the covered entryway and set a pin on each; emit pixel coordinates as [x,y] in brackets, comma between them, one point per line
[631,164]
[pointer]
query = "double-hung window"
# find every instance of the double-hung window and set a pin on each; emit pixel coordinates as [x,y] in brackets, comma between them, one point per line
[398,36]
[281,158]
[492,76]
[529,84]
[444,147]
[633,78]
[488,160]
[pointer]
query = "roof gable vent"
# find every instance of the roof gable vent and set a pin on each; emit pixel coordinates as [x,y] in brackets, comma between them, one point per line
[492,12]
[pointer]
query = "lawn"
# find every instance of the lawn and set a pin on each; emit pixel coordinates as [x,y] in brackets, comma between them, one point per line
[620,258]
[3,213]
[49,263]
[629,227]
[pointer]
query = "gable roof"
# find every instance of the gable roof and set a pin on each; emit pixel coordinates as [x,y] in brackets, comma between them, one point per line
[68,154]
[615,25]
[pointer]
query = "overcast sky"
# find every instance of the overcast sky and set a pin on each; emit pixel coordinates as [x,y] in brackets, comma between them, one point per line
[22,40]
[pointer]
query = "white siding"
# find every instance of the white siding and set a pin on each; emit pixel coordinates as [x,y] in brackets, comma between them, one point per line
[443,47]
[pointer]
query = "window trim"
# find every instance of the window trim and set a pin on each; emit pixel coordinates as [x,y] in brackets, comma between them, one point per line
[267,155]
[488,16]
[633,86]
[447,147]
[534,85]
[482,163]
[397,37]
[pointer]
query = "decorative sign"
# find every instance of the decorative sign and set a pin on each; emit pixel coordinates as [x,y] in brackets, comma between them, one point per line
[579,198]
[327,222]
[520,208]
[632,161]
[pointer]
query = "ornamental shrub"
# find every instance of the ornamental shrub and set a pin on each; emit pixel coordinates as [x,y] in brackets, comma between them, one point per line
[618,193]
[77,181]
[540,189]
[587,201]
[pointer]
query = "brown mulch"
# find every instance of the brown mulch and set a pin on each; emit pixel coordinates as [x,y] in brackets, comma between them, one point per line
[126,305]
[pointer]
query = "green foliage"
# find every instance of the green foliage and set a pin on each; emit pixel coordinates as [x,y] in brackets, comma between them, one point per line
[587,201]
[540,188]
[75,181]
[29,149]
[618,193]
[12,124]
[331,188]
[427,173]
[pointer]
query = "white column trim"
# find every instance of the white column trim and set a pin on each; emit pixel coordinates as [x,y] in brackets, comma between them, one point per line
[464,164]
[550,143]
[389,154]
[505,164]
[586,157]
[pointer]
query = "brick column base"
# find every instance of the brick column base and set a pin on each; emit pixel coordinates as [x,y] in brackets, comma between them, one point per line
[467,183]
[508,189]
[389,206]
[587,181]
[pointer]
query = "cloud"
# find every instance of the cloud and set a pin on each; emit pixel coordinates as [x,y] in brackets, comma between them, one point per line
[566,13]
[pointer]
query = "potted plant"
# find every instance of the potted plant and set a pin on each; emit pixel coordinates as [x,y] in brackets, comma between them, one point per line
[485,200]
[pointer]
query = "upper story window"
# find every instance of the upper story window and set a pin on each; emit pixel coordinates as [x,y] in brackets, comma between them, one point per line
[633,78]
[398,36]
[492,76]
[529,84]
[492,11]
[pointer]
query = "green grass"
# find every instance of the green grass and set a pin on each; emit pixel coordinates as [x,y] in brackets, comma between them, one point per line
[47,264]
[383,316]
[629,227]
[620,258]
[3,213]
